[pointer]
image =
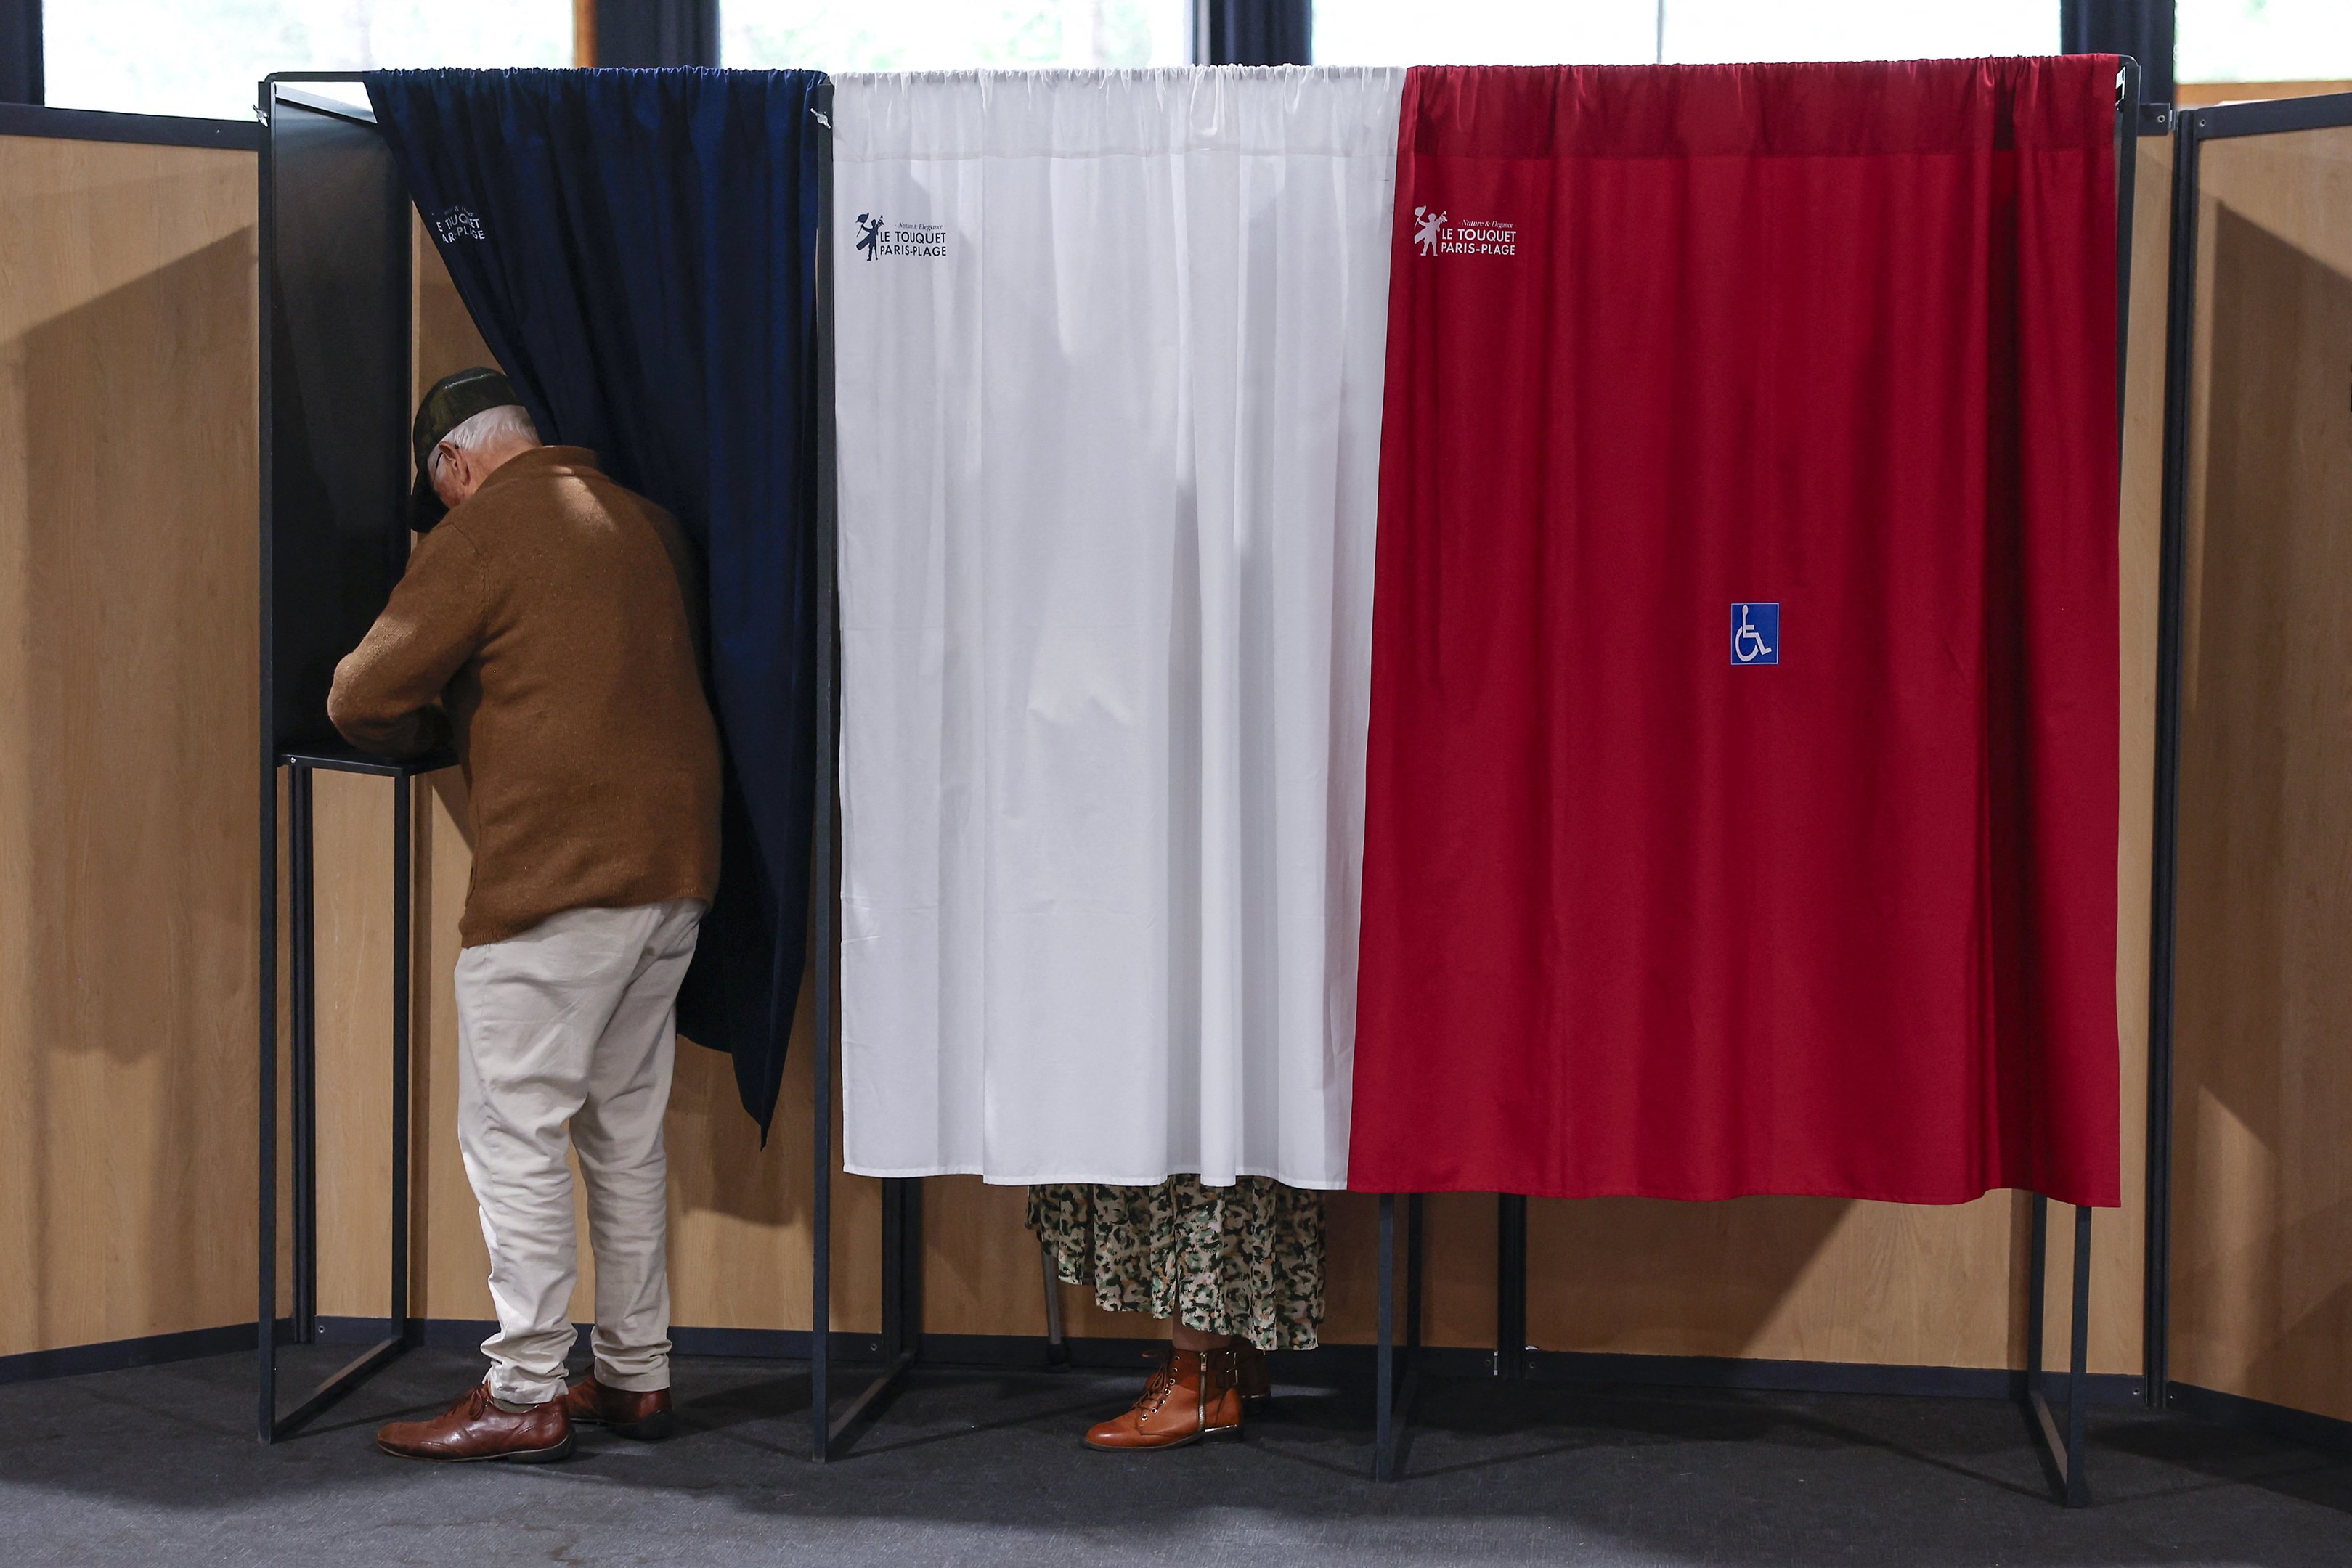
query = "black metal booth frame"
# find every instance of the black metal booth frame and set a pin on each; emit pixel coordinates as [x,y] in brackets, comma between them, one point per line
[333,474]
[335,413]
[831,1435]
[301,266]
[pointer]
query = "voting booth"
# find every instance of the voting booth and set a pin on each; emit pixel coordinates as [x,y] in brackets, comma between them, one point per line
[344,253]
[232,978]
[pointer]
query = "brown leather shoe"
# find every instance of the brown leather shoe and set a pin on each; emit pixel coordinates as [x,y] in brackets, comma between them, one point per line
[1191,1397]
[476,1428]
[644,1417]
[1249,1372]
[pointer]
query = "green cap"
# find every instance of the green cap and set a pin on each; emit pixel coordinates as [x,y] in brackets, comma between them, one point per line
[453,400]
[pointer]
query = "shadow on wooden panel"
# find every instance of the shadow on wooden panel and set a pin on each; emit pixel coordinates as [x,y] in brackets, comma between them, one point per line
[2263,1258]
[133,881]
[442,861]
[353,927]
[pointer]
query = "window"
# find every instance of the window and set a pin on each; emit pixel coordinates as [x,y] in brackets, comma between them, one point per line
[2264,40]
[942,34]
[1605,32]
[1858,29]
[203,56]
[1484,32]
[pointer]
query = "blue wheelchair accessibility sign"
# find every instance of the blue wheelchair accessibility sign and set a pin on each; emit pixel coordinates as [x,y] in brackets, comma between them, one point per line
[1756,633]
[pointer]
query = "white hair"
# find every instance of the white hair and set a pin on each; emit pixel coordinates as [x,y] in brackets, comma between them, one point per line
[509,422]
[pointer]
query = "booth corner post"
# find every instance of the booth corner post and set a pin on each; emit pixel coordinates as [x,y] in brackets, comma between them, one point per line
[901,1344]
[2062,1447]
[2180,337]
[2156,1321]
[334,299]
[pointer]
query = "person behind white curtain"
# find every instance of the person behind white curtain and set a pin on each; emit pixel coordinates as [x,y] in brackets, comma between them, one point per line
[1109,380]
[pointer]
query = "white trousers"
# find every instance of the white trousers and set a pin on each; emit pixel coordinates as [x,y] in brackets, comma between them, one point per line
[566,1036]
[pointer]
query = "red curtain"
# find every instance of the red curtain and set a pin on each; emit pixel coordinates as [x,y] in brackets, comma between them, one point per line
[1686,364]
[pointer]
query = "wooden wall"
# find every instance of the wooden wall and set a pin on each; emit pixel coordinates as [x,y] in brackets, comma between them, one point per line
[2263,1182]
[129,726]
[1798,1278]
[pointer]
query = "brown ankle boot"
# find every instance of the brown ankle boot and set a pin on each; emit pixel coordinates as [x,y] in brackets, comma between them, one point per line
[1193,1396]
[1249,1372]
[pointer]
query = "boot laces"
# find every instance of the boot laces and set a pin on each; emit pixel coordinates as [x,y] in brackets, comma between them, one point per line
[1156,1392]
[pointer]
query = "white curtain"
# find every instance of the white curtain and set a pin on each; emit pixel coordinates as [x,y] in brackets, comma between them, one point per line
[1109,379]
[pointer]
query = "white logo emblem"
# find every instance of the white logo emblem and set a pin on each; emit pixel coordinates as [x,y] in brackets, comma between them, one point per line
[1425,228]
[1435,234]
[456,224]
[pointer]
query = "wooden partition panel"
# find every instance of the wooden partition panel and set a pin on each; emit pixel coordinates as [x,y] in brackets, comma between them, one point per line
[2262,1278]
[129,723]
[1833,1280]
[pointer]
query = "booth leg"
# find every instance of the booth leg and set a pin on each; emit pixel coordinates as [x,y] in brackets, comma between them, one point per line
[1413,1280]
[265,1349]
[2062,1448]
[403,994]
[902,1311]
[2078,1391]
[302,912]
[902,1268]
[1511,1287]
[301,916]
[1398,1375]
[821,1205]
[1384,1351]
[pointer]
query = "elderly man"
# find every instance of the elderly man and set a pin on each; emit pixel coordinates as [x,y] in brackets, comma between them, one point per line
[547,626]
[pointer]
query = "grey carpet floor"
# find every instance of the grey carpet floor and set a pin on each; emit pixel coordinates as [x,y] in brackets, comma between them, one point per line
[158,1467]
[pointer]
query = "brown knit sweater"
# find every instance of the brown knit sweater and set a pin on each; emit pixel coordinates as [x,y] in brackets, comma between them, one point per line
[551,625]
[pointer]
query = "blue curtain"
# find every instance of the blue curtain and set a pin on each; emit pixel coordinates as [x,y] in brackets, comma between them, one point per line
[638,248]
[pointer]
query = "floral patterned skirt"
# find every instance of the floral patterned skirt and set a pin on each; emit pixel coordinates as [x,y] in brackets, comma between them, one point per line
[1243,1259]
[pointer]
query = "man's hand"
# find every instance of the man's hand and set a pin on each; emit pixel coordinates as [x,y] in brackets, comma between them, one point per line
[387,693]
